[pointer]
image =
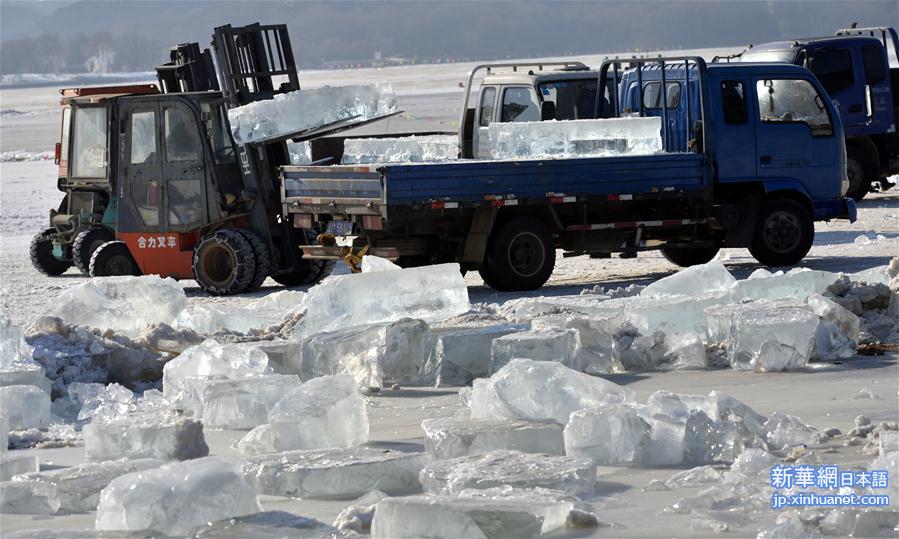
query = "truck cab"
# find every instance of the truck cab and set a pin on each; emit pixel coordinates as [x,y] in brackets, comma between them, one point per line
[854,68]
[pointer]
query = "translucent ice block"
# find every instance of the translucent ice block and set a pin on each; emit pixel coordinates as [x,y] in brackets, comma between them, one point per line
[256,315]
[156,433]
[306,109]
[608,435]
[541,390]
[335,473]
[551,344]
[266,525]
[797,283]
[300,153]
[447,438]
[596,336]
[359,514]
[462,354]
[176,498]
[18,497]
[771,339]
[576,138]
[13,464]
[400,150]
[692,281]
[16,364]
[25,406]
[244,403]
[570,474]
[4,431]
[785,431]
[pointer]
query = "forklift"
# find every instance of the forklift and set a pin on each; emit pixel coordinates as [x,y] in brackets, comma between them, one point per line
[155,184]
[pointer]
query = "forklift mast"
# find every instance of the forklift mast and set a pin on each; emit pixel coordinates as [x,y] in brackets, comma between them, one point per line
[188,71]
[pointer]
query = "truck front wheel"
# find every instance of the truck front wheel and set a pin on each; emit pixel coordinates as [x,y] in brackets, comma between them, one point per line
[521,256]
[783,234]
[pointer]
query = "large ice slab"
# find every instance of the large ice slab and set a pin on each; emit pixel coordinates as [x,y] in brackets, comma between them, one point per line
[447,438]
[176,498]
[253,317]
[797,283]
[335,473]
[539,345]
[541,390]
[26,406]
[429,148]
[694,280]
[77,488]
[570,474]
[460,355]
[596,338]
[429,293]
[13,464]
[324,412]
[769,339]
[575,138]
[123,304]
[28,498]
[373,355]
[306,109]
[244,403]
[266,525]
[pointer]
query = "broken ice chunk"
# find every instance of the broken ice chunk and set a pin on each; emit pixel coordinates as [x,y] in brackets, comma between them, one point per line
[788,526]
[539,345]
[541,390]
[12,464]
[177,497]
[695,280]
[462,354]
[838,332]
[26,407]
[447,438]
[243,403]
[24,373]
[772,339]
[147,432]
[300,153]
[575,138]
[686,351]
[266,525]
[400,149]
[609,434]
[358,515]
[27,498]
[78,487]
[335,473]
[254,316]
[783,431]
[708,440]
[371,354]
[124,304]
[570,474]
[17,366]
[324,412]
[753,464]
[797,283]
[596,336]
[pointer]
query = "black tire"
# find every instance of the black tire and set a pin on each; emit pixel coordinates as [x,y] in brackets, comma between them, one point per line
[42,257]
[859,175]
[263,259]
[309,271]
[112,258]
[86,242]
[521,255]
[689,256]
[224,263]
[784,233]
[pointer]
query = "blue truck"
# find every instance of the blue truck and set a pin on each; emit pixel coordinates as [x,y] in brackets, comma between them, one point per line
[854,67]
[754,155]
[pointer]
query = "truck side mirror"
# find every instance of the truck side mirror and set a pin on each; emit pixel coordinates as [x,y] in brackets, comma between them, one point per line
[547,111]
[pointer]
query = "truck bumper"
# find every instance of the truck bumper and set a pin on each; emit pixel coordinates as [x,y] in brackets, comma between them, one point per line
[848,210]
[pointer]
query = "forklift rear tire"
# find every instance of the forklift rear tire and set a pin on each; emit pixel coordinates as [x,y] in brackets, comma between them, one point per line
[224,263]
[521,255]
[86,242]
[263,259]
[689,256]
[113,258]
[784,233]
[42,257]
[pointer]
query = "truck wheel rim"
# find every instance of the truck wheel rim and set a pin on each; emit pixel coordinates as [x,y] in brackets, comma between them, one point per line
[526,254]
[783,232]
[217,264]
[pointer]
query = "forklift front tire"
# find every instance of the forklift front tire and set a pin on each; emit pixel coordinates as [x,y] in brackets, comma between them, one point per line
[113,258]
[224,263]
[263,259]
[42,257]
[86,243]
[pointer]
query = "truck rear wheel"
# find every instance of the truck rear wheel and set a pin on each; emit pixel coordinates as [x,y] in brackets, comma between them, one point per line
[784,233]
[688,256]
[224,263]
[86,242]
[310,272]
[521,256]
[112,258]
[859,177]
[42,257]
[263,259]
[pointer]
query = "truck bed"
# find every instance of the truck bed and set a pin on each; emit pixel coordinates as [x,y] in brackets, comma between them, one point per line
[308,188]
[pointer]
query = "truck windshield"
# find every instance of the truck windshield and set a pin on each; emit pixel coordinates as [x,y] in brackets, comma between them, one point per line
[89,143]
[784,55]
[574,99]
[793,101]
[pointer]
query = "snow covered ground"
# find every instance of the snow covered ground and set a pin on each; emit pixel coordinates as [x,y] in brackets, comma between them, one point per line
[824,395]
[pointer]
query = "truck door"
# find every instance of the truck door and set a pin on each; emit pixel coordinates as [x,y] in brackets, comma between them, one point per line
[795,135]
[837,71]
[485,115]
[736,140]
[183,168]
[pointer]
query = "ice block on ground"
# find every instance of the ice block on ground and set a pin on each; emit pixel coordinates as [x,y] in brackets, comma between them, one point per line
[596,336]
[709,440]
[145,432]
[412,149]
[692,281]
[797,283]
[541,390]
[838,332]
[610,434]
[324,412]
[753,464]
[123,304]
[447,438]
[575,138]
[243,403]
[335,473]
[785,431]
[772,339]
[25,406]
[429,293]
[22,373]
[459,355]
[17,368]
[301,110]
[358,515]
[574,475]
[254,316]
[78,487]
[551,344]
[28,498]
[373,355]
[12,464]
[300,153]
[266,525]
[176,498]
[686,351]
[503,513]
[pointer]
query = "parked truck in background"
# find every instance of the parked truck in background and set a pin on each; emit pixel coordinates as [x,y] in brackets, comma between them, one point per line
[854,66]
[757,159]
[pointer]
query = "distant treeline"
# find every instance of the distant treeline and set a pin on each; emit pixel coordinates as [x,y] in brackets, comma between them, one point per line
[100,52]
